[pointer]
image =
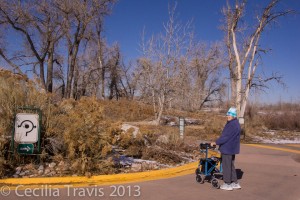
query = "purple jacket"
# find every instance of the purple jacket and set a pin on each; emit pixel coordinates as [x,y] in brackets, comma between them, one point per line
[229,141]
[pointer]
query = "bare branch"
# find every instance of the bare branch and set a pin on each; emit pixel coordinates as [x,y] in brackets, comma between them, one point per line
[13,65]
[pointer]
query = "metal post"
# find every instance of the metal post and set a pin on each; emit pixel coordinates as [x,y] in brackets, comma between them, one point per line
[243,126]
[39,130]
[181,127]
[206,160]
[13,136]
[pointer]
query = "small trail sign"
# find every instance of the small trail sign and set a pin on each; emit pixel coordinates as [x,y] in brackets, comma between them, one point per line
[26,134]
[26,128]
[25,148]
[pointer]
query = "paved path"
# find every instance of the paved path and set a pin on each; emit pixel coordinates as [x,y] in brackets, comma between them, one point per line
[266,174]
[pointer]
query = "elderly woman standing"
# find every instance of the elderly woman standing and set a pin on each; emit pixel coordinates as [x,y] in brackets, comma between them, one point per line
[229,146]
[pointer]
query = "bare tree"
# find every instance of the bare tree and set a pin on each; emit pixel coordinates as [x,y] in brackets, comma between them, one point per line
[17,15]
[158,69]
[114,73]
[116,77]
[206,64]
[48,24]
[40,29]
[100,53]
[78,20]
[244,53]
[178,72]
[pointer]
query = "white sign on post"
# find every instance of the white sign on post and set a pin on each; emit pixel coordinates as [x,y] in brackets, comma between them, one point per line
[181,126]
[26,128]
[242,120]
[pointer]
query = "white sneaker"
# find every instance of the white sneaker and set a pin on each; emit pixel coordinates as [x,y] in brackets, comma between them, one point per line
[236,186]
[226,186]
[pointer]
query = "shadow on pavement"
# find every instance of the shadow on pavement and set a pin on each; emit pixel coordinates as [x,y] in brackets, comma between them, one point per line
[296,157]
[239,173]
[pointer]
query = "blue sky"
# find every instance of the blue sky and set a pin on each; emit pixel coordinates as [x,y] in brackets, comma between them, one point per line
[130,17]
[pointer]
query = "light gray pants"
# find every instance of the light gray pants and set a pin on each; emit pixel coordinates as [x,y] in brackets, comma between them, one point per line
[229,173]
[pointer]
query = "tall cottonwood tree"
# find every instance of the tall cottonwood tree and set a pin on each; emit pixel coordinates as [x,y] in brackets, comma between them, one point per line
[101,45]
[113,69]
[243,46]
[117,76]
[45,25]
[206,62]
[78,20]
[166,71]
[37,25]
[158,68]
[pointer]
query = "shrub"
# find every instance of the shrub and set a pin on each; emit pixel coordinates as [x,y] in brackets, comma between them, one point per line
[161,155]
[85,132]
[286,121]
[126,111]
[2,159]
[281,116]
[16,91]
[79,126]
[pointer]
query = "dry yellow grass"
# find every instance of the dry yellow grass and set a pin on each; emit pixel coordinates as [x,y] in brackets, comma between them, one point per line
[88,128]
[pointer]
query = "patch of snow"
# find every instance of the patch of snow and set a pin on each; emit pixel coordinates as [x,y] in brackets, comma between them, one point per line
[262,113]
[271,132]
[172,124]
[146,161]
[278,141]
[123,160]
[192,121]
[151,162]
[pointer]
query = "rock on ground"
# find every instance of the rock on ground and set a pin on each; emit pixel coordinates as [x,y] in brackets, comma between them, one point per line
[126,127]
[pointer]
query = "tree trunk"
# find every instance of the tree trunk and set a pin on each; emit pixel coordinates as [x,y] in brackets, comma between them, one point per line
[72,63]
[161,109]
[233,89]
[83,87]
[103,82]
[75,93]
[101,66]
[201,93]
[244,102]
[239,94]
[154,104]
[42,75]
[63,88]
[69,77]
[112,84]
[50,69]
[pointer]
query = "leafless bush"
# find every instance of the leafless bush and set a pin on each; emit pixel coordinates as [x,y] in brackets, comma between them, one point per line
[126,111]
[282,106]
[15,91]
[80,131]
[161,155]
[280,116]
[285,121]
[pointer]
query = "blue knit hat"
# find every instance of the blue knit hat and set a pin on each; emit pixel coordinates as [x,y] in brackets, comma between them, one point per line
[231,112]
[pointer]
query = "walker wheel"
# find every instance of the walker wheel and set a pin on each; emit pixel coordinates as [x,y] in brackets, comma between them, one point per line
[215,183]
[200,178]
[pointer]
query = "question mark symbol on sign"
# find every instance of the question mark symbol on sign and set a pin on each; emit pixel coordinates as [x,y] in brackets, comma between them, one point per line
[27,126]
